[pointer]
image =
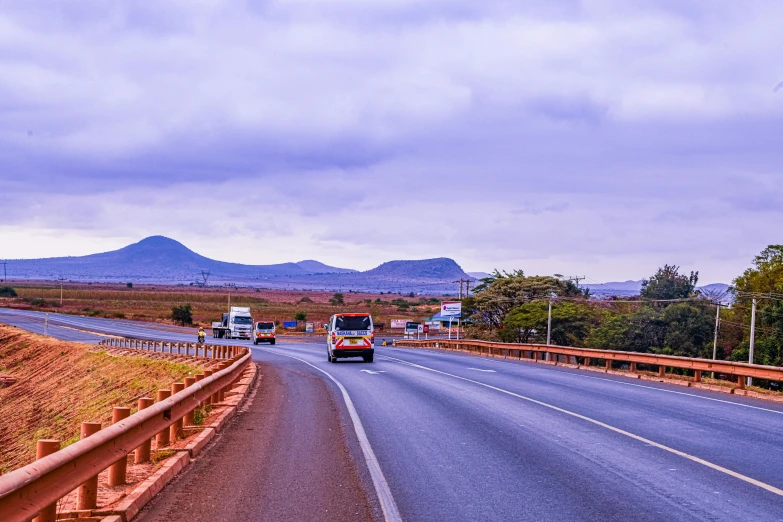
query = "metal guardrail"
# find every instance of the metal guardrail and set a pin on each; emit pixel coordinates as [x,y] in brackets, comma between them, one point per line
[215,351]
[533,351]
[28,490]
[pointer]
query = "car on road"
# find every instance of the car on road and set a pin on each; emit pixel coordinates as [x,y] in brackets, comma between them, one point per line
[350,335]
[264,332]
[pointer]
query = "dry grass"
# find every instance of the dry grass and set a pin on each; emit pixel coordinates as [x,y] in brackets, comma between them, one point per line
[60,385]
[154,302]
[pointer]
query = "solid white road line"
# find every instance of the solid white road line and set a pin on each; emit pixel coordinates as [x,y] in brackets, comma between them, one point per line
[683,393]
[390,511]
[710,465]
[500,361]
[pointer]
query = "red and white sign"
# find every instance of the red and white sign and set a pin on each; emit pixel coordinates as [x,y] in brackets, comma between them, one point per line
[398,323]
[426,328]
[450,308]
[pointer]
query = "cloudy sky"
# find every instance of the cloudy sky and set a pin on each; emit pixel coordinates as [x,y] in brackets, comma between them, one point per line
[595,137]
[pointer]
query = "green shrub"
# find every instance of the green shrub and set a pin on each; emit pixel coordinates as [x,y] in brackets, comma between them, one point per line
[7,291]
[182,314]
[301,316]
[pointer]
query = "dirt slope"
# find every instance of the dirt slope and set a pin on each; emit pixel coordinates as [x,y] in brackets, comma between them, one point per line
[58,385]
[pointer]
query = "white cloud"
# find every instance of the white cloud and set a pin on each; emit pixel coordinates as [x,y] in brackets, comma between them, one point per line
[602,134]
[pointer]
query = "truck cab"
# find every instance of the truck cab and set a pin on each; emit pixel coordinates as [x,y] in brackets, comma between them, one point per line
[264,332]
[350,335]
[238,323]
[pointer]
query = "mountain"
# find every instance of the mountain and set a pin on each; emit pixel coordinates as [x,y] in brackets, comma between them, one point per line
[155,258]
[439,268]
[478,275]
[316,267]
[630,288]
[158,259]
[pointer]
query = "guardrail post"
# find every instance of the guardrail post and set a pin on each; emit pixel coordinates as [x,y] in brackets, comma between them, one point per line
[43,448]
[661,371]
[176,428]
[162,438]
[741,382]
[144,450]
[87,493]
[696,375]
[632,367]
[199,377]
[587,361]
[214,397]
[188,419]
[535,356]
[608,364]
[117,471]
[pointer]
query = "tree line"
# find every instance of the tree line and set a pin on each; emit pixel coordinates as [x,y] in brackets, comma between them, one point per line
[669,316]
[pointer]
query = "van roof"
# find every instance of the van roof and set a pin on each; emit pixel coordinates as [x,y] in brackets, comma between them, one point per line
[353,315]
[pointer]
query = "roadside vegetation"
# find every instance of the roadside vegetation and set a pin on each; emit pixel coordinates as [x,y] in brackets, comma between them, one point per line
[669,316]
[166,304]
[58,385]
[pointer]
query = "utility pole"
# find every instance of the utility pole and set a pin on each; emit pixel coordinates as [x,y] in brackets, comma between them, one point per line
[61,279]
[5,276]
[752,337]
[230,286]
[576,279]
[715,342]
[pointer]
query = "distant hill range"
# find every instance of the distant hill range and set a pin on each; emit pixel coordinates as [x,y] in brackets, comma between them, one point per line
[158,259]
[631,288]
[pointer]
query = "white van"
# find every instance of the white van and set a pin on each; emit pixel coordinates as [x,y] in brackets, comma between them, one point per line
[350,335]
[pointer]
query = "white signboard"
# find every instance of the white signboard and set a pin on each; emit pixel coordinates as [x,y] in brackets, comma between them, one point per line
[421,328]
[398,323]
[435,326]
[450,308]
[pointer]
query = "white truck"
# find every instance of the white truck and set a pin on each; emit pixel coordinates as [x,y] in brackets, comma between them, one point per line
[236,324]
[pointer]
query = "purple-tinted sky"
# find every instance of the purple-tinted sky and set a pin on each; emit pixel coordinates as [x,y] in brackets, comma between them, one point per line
[597,137]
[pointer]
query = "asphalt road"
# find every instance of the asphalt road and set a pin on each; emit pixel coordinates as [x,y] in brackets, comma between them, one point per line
[459,437]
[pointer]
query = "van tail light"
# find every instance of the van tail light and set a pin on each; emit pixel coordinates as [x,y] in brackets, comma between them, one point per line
[334,337]
[372,338]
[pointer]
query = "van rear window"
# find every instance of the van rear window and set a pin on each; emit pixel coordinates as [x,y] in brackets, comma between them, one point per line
[265,326]
[361,322]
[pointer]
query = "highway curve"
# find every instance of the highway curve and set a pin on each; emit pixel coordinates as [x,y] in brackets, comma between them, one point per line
[459,437]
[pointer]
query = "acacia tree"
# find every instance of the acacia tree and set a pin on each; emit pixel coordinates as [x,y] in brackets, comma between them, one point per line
[491,306]
[668,283]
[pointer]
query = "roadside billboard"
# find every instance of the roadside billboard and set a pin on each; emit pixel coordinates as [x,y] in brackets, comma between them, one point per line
[412,327]
[289,325]
[451,309]
[309,327]
[398,323]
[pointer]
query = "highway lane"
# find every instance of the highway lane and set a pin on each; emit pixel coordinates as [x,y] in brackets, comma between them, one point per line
[460,437]
[455,450]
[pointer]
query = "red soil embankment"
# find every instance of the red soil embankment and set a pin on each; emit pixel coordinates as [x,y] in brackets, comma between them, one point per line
[60,384]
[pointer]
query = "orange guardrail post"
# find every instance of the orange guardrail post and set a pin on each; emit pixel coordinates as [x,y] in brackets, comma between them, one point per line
[87,493]
[117,471]
[176,429]
[144,450]
[188,419]
[661,370]
[608,364]
[162,438]
[697,376]
[43,448]
[208,400]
